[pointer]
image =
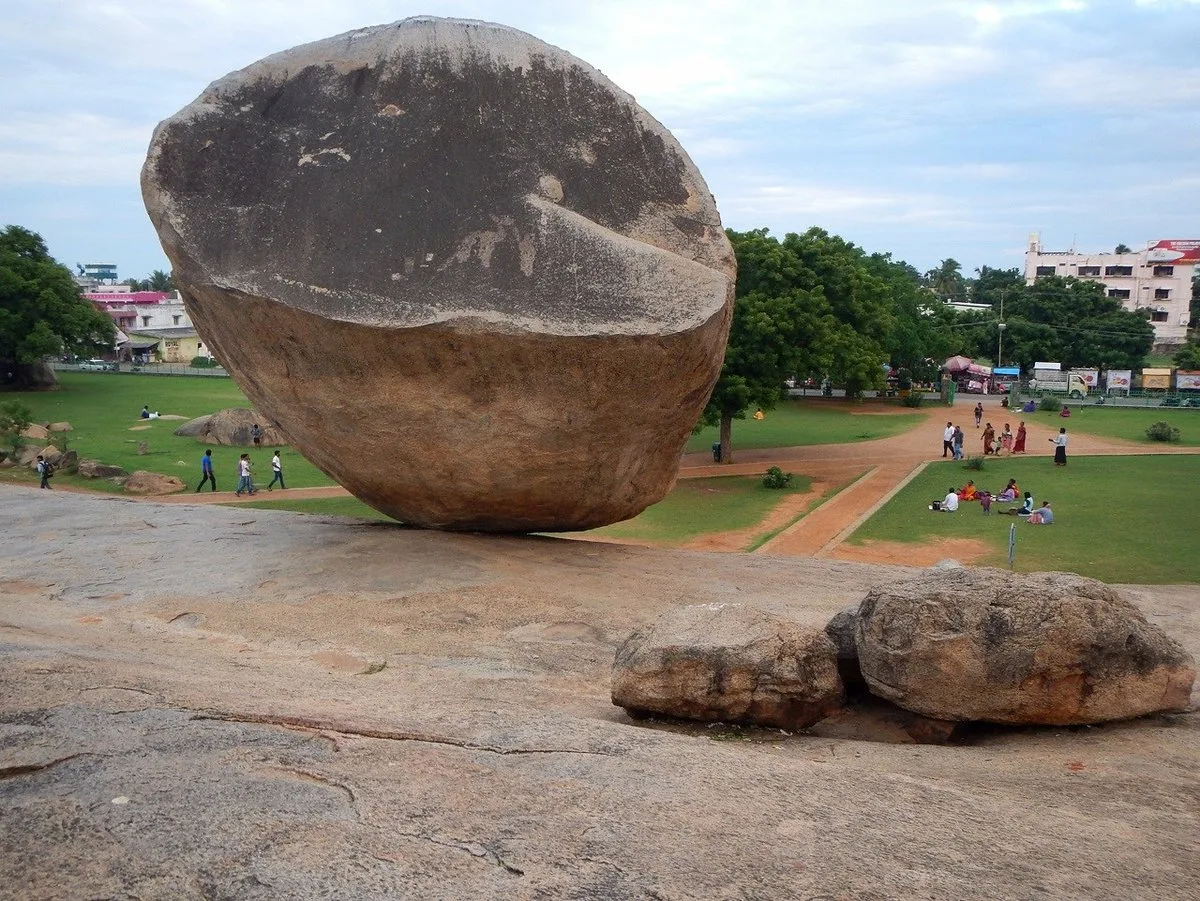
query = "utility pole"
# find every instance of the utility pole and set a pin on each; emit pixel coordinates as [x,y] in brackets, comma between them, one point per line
[1000,333]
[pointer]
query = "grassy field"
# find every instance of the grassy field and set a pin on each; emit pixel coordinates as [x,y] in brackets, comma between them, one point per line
[104,407]
[801,422]
[1124,422]
[701,506]
[1119,519]
[322,506]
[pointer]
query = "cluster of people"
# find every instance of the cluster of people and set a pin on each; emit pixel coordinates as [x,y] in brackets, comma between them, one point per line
[1043,515]
[245,483]
[993,445]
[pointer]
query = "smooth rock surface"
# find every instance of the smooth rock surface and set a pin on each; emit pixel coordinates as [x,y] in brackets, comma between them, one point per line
[231,428]
[470,277]
[728,663]
[308,707]
[1001,647]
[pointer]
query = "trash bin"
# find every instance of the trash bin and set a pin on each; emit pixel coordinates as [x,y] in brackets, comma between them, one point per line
[716,449]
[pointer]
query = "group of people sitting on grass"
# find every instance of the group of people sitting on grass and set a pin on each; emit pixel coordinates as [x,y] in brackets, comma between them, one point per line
[1043,515]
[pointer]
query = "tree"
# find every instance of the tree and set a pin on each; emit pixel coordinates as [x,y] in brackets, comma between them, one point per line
[41,311]
[919,340]
[946,281]
[1188,356]
[160,281]
[1123,248]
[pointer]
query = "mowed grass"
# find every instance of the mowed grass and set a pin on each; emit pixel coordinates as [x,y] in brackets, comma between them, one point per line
[1127,423]
[104,408]
[1118,519]
[808,421]
[698,507]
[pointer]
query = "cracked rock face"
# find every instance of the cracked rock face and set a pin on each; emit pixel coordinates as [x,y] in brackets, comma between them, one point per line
[1042,648]
[469,276]
[729,663]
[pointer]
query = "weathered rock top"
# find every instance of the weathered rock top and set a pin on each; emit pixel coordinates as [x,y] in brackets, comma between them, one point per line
[473,164]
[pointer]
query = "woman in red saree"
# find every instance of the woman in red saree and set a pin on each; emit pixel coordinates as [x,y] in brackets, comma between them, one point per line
[1019,446]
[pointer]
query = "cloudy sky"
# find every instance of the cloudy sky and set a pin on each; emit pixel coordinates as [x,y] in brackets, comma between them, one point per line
[927,128]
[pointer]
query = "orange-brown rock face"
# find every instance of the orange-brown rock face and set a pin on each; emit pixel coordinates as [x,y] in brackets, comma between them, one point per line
[470,277]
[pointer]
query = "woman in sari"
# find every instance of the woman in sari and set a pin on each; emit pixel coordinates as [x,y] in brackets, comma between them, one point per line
[1006,438]
[1019,445]
[989,438]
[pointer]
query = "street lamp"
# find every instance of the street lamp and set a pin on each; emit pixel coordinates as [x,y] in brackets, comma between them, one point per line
[1000,333]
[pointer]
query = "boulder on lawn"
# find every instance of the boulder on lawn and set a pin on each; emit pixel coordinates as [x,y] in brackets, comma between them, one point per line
[231,428]
[141,482]
[468,275]
[728,663]
[986,644]
[61,427]
[94,469]
[36,432]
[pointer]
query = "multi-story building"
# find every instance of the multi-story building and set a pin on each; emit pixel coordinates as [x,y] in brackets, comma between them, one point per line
[1157,279]
[151,323]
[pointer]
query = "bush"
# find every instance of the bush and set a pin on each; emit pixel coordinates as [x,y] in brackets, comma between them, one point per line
[776,478]
[15,418]
[201,363]
[1050,404]
[913,399]
[1162,431]
[975,463]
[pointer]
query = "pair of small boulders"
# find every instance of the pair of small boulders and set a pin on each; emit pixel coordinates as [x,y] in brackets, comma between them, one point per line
[139,482]
[37,432]
[957,645]
[58,459]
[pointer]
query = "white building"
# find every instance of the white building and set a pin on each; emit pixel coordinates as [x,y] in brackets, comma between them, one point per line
[1158,279]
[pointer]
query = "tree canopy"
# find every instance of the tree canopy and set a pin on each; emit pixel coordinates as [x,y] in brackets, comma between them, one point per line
[41,312]
[158,281]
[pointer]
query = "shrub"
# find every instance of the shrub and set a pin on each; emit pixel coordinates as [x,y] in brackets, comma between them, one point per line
[201,363]
[914,399]
[1162,431]
[776,478]
[1050,404]
[15,418]
[975,463]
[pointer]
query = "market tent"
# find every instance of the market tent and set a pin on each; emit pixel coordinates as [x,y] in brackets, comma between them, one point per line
[957,364]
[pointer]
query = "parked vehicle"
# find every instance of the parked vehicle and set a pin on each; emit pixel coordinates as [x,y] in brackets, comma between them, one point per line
[94,366]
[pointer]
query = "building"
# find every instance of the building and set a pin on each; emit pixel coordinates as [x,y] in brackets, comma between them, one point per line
[1157,279]
[153,324]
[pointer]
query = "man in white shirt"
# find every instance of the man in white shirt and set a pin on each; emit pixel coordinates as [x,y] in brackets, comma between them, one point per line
[950,501]
[948,440]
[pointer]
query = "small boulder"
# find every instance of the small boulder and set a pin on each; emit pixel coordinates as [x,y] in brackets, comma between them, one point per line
[1048,648]
[728,663]
[231,428]
[142,482]
[93,469]
[36,433]
[61,427]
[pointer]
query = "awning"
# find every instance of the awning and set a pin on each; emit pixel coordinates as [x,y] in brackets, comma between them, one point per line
[1012,371]
[142,345]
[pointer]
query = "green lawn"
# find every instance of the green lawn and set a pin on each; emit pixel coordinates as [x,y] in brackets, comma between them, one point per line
[1119,519]
[699,506]
[801,422]
[104,407]
[323,506]
[1125,422]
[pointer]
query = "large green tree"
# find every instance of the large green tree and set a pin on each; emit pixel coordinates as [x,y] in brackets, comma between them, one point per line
[41,311]
[947,281]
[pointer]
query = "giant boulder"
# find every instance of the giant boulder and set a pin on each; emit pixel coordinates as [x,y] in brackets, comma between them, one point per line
[469,276]
[1048,648]
[232,428]
[728,663]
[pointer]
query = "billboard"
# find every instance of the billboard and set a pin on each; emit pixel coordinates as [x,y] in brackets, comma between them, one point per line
[1187,381]
[1119,379]
[1177,251]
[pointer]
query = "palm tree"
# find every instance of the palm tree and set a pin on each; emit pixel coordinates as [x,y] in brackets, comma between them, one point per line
[946,281]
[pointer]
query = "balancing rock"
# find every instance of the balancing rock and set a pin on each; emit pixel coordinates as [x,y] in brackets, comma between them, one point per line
[470,278]
[1041,648]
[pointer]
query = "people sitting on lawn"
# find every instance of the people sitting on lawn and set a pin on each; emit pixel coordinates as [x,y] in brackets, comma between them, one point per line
[1065,413]
[1029,407]
[1043,516]
[1010,493]
[968,492]
[948,504]
[1026,507]
[146,412]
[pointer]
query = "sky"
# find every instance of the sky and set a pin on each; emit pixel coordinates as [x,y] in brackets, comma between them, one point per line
[926,129]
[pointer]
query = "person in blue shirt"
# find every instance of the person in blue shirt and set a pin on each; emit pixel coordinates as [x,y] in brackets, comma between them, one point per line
[206,470]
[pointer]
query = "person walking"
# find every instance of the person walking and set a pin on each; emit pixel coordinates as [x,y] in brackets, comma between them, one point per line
[1060,447]
[959,437]
[276,472]
[45,470]
[978,413]
[948,440]
[206,471]
[1019,445]
[989,437]
[244,483]
[1006,439]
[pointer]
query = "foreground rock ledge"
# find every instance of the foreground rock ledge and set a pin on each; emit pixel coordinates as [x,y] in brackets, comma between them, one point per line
[1043,648]
[728,663]
[469,277]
